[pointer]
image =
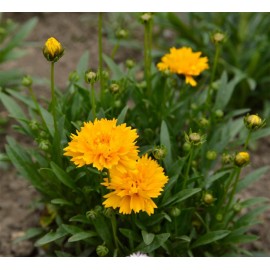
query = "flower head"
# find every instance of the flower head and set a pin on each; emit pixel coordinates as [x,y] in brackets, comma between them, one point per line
[133,189]
[253,122]
[53,50]
[184,61]
[241,159]
[105,145]
[138,254]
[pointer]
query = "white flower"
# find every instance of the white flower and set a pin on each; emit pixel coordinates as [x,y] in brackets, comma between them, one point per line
[137,254]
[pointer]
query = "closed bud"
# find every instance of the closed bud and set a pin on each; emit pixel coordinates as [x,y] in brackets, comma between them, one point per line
[73,76]
[27,81]
[253,122]
[121,34]
[204,122]
[241,159]
[237,207]
[195,137]
[92,214]
[159,152]
[118,103]
[43,134]
[105,74]
[186,147]
[33,124]
[194,106]
[226,158]
[219,217]
[91,77]
[102,250]
[175,212]
[219,113]
[53,50]
[44,145]
[218,37]
[211,155]
[208,198]
[130,63]
[108,212]
[146,17]
[114,88]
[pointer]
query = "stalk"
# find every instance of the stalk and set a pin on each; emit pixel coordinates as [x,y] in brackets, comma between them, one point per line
[100,56]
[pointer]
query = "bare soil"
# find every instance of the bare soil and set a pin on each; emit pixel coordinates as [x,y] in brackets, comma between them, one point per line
[17,197]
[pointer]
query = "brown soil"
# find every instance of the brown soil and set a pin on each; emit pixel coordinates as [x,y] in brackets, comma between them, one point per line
[17,197]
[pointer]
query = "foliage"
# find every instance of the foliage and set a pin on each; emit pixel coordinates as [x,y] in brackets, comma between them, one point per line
[187,130]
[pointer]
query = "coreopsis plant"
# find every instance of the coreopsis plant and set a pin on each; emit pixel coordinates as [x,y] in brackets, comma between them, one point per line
[151,167]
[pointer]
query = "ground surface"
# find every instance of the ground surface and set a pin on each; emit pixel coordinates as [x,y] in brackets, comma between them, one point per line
[78,34]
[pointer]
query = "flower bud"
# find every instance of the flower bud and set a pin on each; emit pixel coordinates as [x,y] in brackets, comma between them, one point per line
[226,158]
[118,103]
[130,63]
[237,207]
[175,212]
[219,113]
[218,37]
[91,77]
[105,74]
[194,106]
[102,250]
[73,76]
[208,198]
[159,152]
[92,214]
[27,81]
[44,145]
[43,134]
[114,88]
[186,147]
[241,159]
[121,34]
[53,50]
[146,17]
[33,124]
[108,212]
[204,122]
[211,155]
[253,122]
[195,137]
[219,217]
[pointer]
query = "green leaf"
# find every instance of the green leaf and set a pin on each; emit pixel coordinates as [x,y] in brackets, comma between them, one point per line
[210,238]
[130,234]
[253,201]
[181,196]
[48,118]
[81,236]
[226,89]
[51,237]
[71,229]
[62,176]
[61,202]
[251,177]
[147,237]
[80,218]
[215,177]
[165,140]
[158,241]
[83,65]
[30,233]
[117,73]
[121,117]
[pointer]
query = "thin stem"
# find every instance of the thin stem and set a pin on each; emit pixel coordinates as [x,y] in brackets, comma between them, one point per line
[247,140]
[100,56]
[114,228]
[238,171]
[148,54]
[93,101]
[217,52]
[188,166]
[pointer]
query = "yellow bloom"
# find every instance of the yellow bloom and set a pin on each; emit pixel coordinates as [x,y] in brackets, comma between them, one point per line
[133,189]
[104,144]
[53,50]
[241,159]
[184,61]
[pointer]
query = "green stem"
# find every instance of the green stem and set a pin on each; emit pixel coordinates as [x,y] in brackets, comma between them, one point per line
[238,171]
[247,140]
[93,101]
[100,56]
[56,140]
[114,228]
[188,166]
[148,54]
[217,52]
[115,48]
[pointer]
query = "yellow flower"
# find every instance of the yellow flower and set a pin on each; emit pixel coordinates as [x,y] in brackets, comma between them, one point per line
[184,61]
[53,50]
[104,144]
[241,159]
[133,189]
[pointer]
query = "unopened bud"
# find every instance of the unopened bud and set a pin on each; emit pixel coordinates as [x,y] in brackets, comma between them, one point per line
[253,122]
[91,77]
[108,212]
[218,37]
[73,76]
[146,17]
[159,152]
[194,106]
[44,145]
[175,212]
[121,34]
[219,217]
[241,159]
[92,214]
[226,158]
[237,207]
[219,113]
[33,124]
[53,50]
[208,198]
[195,137]
[211,155]
[204,122]
[102,250]
[186,147]
[130,63]
[114,88]
[27,81]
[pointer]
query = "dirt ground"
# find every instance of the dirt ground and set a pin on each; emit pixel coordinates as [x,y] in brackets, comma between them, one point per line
[78,32]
